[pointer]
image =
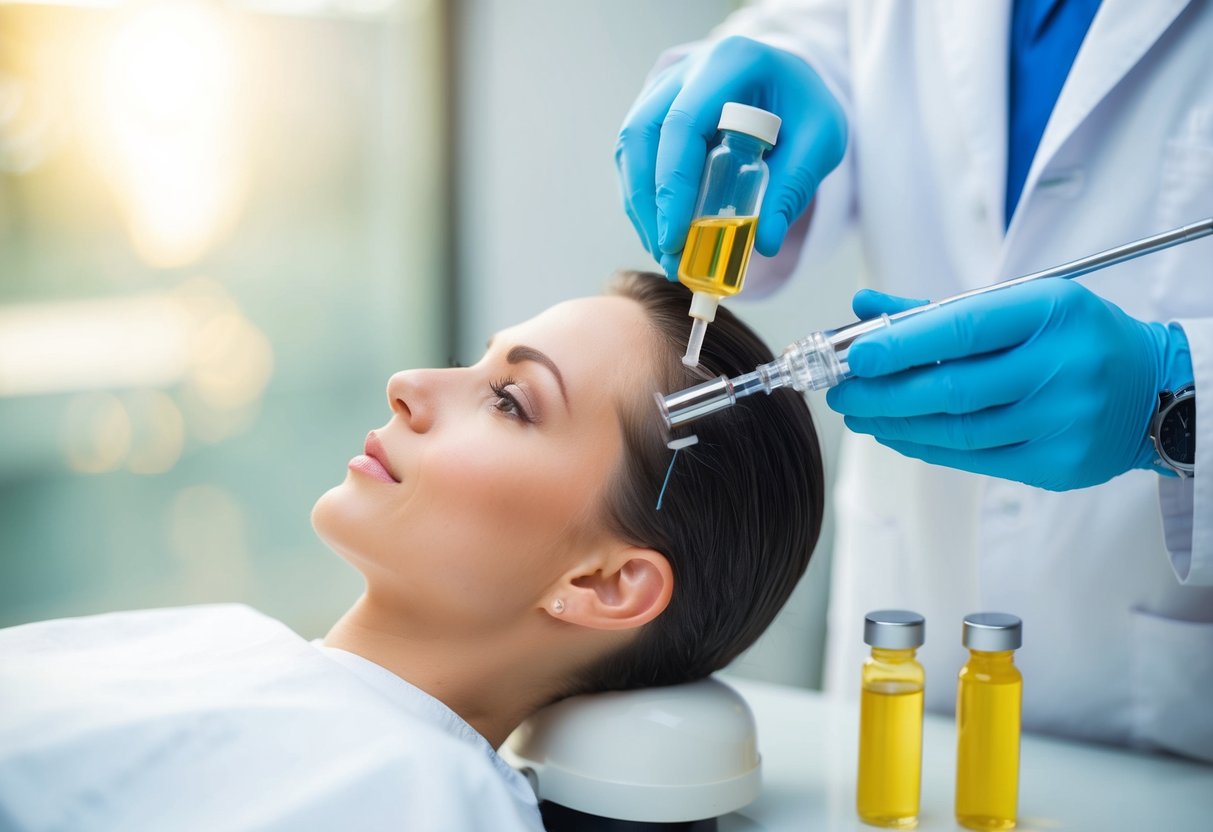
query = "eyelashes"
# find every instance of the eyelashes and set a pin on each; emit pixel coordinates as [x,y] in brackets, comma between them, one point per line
[509,403]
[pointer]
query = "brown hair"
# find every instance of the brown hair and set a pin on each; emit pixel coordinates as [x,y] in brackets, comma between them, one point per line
[740,515]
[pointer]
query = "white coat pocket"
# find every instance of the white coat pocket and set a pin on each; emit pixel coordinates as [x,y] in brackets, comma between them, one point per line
[1172,677]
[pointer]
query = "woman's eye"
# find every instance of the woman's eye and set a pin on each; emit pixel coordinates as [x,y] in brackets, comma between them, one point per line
[507,401]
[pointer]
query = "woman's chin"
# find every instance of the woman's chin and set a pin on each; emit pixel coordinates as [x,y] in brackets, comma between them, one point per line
[349,524]
[330,515]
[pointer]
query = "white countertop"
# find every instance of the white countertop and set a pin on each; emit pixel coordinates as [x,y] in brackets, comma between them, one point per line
[809,755]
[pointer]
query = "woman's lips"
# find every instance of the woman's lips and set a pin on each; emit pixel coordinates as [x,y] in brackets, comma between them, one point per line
[373,461]
[371,467]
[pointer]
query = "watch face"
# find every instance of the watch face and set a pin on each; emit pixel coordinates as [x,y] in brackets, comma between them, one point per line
[1177,433]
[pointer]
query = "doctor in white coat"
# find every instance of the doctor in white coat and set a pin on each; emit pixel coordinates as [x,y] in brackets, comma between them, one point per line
[1001,454]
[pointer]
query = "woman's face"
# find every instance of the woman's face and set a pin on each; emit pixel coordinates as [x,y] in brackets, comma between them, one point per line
[486,485]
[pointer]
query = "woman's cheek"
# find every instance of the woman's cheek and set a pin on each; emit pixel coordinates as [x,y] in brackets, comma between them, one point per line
[530,493]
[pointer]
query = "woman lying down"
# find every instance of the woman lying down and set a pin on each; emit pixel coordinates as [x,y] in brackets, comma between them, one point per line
[506,521]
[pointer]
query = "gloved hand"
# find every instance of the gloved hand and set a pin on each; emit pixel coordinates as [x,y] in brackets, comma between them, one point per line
[1045,383]
[664,140]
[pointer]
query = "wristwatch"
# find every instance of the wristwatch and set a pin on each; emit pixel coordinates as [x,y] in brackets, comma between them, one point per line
[1173,430]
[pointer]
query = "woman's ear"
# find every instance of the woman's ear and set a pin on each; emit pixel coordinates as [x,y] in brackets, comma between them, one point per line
[624,591]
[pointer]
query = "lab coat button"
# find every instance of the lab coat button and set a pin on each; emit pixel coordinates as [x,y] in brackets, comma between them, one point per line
[979,209]
[1010,507]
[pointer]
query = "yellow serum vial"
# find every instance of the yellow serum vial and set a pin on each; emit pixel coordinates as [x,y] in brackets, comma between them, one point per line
[988,701]
[890,720]
[717,250]
[717,254]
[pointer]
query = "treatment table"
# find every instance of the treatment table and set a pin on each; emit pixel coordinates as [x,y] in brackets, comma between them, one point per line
[808,743]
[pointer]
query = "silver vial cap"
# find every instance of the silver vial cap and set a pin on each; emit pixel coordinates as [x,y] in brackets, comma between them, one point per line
[992,632]
[894,629]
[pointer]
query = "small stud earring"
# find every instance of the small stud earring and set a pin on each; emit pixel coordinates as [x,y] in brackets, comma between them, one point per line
[558,606]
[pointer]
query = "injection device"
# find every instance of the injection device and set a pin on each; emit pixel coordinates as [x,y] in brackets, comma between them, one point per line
[820,360]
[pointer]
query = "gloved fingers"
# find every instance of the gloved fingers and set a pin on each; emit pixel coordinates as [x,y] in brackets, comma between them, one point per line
[811,144]
[977,463]
[734,69]
[966,385]
[971,326]
[1022,463]
[681,154]
[669,265]
[689,125]
[996,427]
[636,153]
[868,303]
[638,224]
[677,67]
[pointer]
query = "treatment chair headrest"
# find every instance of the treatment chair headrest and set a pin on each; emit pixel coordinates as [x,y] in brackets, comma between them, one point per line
[665,755]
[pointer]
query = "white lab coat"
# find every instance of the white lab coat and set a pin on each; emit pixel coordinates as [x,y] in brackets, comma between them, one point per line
[1118,632]
[219,718]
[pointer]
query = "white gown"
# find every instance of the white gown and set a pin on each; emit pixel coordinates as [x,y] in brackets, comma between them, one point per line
[1114,583]
[218,717]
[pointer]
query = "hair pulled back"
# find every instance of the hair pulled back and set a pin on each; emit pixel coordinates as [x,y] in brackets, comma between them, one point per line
[740,515]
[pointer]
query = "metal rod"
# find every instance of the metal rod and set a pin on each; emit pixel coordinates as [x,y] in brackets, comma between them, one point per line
[688,405]
[1109,257]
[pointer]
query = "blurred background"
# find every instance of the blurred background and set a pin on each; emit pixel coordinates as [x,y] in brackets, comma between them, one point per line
[223,225]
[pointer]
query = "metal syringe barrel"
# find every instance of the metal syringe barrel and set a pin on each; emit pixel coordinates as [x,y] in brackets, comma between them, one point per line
[718,393]
[696,402]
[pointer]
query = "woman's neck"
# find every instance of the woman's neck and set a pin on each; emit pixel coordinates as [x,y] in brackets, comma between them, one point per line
[493,682]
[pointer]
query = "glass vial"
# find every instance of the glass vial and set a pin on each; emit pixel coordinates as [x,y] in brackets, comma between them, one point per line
[721,236]
[890,720]
[988,697]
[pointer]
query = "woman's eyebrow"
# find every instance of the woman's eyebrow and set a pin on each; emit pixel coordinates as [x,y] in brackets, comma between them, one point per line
[522,353]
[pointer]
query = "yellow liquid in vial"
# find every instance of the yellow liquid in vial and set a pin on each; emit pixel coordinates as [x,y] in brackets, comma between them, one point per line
[890,754]
[716,254]
[987,756]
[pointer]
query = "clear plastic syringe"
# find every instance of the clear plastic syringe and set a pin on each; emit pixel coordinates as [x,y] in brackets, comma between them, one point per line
[820,360]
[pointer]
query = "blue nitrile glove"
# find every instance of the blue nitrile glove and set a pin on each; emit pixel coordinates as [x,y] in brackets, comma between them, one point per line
[664,140]
[1045,383]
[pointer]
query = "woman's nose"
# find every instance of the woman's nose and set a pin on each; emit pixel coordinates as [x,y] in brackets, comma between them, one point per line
[411,395]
